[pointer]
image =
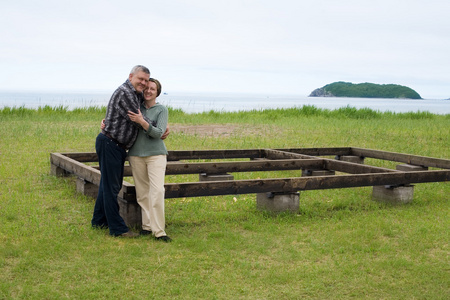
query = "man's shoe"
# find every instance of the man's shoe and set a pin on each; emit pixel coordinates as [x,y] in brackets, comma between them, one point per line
[128,234]
[164,238]
[145,232]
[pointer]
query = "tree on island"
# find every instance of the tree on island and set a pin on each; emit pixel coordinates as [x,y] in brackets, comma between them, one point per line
[365,90]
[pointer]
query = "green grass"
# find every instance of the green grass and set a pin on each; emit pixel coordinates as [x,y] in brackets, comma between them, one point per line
[340,244]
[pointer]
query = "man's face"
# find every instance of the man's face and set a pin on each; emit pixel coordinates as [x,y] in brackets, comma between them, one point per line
[139,80]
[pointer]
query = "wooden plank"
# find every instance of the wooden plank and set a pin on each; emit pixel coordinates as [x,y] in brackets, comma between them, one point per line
[177,168]
[331,164]
[182,155]
[333,151]
[88,173]
[283,154]
[222,154]
[175,190]
[404,158]
[210,188]
[279,154]
[213,154]
[128,191]
[242,166]
[174,168]
[301,162]
[82,156]
[75,167]
[353,168]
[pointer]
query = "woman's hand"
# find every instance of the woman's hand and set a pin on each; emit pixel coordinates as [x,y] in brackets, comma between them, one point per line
[166,133]
[137,118]
[103,124]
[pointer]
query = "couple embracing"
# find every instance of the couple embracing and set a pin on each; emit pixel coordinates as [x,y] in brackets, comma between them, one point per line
[137,124]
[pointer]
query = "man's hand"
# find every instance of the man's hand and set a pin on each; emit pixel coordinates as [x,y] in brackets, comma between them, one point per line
[166,133]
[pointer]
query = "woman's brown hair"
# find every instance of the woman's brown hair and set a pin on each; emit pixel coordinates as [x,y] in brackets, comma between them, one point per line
[158,86]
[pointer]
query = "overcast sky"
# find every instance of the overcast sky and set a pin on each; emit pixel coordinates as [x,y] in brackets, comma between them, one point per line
[242,46]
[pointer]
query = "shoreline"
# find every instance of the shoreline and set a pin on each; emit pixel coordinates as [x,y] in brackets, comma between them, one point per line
[198,103]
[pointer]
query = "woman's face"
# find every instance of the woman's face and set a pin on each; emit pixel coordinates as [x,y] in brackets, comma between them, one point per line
[150,92]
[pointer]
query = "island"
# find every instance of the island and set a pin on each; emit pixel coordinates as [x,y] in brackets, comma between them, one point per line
[365,90]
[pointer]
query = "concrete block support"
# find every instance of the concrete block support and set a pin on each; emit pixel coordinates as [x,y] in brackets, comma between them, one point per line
[278,202]
[130,211]
[408,167]
[317,173]
[393,194]
[86,188]
[57,171]
[215,177]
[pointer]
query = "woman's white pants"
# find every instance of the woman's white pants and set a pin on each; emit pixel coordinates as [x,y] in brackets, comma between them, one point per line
[148,175]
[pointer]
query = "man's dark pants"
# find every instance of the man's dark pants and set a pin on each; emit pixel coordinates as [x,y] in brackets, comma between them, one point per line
[111,158]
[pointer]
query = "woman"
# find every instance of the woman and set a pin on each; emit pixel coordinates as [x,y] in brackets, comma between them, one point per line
[148,159]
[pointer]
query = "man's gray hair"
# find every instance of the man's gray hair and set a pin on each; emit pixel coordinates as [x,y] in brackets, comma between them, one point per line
[139,68]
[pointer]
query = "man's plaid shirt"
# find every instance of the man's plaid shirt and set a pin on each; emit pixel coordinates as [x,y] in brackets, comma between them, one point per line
[118,124]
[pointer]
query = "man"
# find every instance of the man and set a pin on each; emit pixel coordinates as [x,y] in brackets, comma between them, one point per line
[111,146]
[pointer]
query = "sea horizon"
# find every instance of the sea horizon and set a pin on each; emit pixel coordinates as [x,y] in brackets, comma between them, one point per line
[197,102]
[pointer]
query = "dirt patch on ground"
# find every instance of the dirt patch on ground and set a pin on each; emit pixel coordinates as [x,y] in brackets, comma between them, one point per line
[207,130]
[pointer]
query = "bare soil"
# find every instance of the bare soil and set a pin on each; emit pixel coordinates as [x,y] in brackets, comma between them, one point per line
[206,130]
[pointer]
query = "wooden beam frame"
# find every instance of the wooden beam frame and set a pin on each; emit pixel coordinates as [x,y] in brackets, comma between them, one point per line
[234,187]
[355,175]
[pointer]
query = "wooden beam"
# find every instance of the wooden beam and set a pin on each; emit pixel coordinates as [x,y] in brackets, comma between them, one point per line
[182,155]
[377,176]
[280,154]
[292,153]
[75,167]
[177,168]
[330,164]
[82,156]
[242,166]
[353,168]
[211,188]
[404,158]
[213,154]
[128,191]
[333,151]
[88,173]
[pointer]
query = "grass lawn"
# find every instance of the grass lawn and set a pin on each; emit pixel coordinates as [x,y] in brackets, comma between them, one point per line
[340,244]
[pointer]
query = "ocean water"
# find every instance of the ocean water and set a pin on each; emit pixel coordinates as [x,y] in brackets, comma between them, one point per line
[202,102]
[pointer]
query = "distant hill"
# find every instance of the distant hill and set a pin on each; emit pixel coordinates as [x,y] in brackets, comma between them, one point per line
[365,90]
